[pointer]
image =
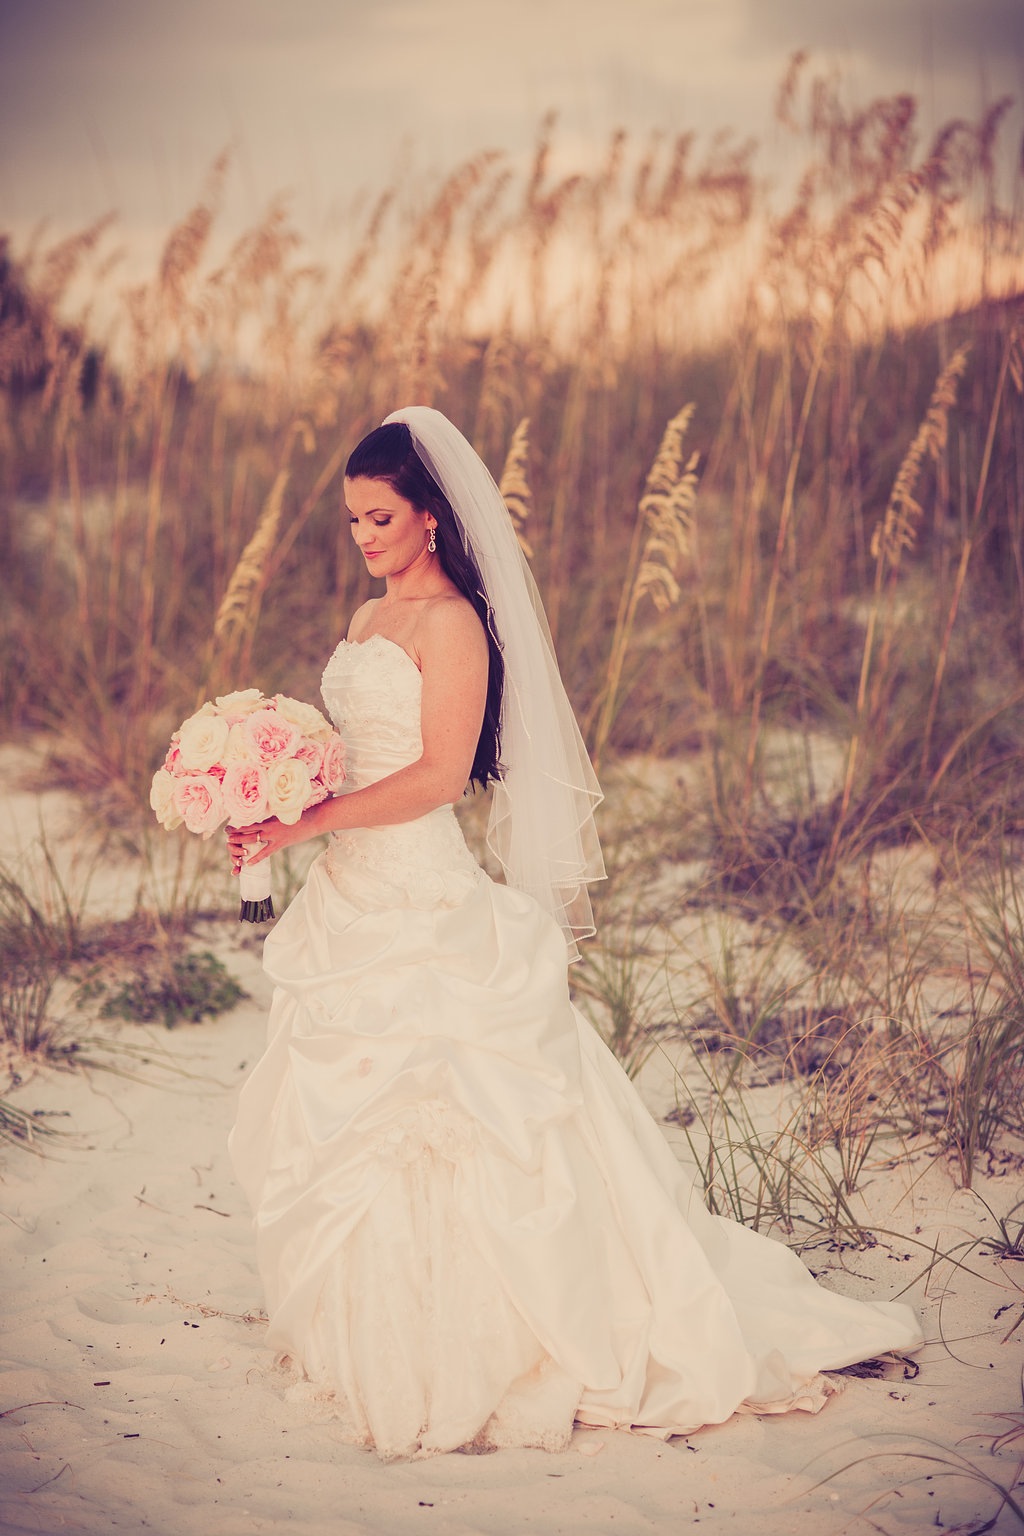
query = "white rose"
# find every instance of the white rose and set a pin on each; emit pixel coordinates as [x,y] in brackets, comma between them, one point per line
[236,748]
[242,702]
[161,795]
[305,717]
[201,741]
[289,790]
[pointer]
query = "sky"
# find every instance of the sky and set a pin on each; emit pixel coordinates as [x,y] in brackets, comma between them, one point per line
[123,104]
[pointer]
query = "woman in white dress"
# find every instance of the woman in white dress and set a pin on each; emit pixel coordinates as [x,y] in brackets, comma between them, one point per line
[470,1232]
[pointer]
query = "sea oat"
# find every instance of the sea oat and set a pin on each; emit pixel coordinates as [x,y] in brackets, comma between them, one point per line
[661,538]
[513,484]
[238,613]
[670,519]
[898,529]
[186,243]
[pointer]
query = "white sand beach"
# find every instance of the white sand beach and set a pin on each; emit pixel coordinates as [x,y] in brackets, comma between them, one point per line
[137,1394]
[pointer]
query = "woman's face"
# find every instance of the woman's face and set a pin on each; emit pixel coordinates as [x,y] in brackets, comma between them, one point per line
[389,531]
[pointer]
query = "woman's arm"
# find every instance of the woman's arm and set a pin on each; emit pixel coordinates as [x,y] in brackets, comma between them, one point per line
[451,650]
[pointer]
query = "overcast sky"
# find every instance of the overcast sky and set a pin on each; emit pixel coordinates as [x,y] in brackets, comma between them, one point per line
[123,104]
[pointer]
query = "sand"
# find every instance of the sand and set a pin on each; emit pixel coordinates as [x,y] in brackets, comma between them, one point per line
[137,1394]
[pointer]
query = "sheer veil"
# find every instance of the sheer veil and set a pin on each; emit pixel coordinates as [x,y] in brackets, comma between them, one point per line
[541,826]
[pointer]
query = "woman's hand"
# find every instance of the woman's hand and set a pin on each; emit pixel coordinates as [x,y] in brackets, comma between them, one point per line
[248,845]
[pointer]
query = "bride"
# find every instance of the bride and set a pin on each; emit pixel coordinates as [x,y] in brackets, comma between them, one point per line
[470,1232]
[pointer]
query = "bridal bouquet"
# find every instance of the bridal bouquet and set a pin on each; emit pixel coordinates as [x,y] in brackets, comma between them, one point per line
[242,759]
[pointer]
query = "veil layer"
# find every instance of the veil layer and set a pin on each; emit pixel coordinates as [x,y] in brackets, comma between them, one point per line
[541,827]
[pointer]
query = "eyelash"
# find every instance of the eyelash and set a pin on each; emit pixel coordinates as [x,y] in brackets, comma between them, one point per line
[383,523]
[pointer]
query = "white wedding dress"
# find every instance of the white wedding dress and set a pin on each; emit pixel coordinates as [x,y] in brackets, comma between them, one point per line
[470,1231]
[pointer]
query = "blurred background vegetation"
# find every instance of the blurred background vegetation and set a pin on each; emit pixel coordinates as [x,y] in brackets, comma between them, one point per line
[767,456]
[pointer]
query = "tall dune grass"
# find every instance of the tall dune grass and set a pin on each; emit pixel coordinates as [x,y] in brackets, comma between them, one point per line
[838,551]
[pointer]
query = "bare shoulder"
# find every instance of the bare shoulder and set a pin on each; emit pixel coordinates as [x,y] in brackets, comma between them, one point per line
[451,625]
[361,623]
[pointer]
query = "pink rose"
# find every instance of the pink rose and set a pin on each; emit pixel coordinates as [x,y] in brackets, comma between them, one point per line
[270,735]
[199,802]
[172,762]
[317,793]
[245,793]
[311,753]
[332,771]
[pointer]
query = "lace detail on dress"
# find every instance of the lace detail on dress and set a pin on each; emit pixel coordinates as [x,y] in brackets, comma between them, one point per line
[423,864]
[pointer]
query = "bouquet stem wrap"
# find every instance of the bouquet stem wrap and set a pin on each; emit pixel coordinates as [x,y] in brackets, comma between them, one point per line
[254,889]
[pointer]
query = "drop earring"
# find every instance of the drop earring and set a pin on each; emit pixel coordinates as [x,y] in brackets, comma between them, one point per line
[432,541]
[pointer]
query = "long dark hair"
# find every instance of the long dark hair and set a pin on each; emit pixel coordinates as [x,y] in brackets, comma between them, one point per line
[388,454]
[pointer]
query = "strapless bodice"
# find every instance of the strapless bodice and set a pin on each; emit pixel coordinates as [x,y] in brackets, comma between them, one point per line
[372,691]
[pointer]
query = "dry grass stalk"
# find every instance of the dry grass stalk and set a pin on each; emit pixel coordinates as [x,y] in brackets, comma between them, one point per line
[670,521]
[514,486]
[499,397]
[1012,368]
[782,541]
[234,627]
[184,247]
[663,475]
[484,238]
[896,532]
[359,263]
[542,211]
[96,452]
[665,514]
[259,256]
[804,419]
[62,262]
[898,529]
